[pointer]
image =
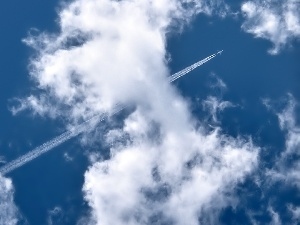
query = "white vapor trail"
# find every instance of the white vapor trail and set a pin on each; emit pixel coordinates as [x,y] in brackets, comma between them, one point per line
[188,69]
[49,145]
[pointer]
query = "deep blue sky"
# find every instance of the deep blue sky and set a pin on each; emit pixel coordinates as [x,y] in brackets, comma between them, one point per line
[19,134]
[250,73]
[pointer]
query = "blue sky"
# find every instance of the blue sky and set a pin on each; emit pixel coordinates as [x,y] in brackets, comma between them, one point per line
[218,146]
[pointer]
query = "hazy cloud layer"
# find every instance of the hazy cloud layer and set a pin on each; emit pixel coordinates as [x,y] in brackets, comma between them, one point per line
[275,20]
[164,167]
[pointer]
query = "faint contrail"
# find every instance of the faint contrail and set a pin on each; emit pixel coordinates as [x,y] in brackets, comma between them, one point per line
[49,145]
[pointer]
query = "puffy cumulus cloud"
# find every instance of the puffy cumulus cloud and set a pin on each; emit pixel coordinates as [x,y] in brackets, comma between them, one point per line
[276,21]
[8,211]
[104,46]
[163,170]
[172,180]
[164,167]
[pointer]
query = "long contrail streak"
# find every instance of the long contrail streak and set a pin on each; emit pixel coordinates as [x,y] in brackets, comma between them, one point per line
[188,69]
[49,145]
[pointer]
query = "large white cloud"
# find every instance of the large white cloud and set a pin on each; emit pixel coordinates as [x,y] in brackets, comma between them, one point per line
[8,211]
[105,45]
[171,179]
[275,20]
[163,166]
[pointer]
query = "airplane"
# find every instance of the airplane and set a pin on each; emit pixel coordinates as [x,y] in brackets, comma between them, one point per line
[220,52]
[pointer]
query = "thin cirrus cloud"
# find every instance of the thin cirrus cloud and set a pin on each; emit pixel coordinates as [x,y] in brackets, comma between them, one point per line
[277,21]
[214,106]
[285,172]
[287,166]
[164,166]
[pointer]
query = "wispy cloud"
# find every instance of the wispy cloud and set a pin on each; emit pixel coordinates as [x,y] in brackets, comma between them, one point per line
[55,216]
[214,106]
[288,167]
[2,159]
[277,21]
[295,213]
[285,171]
[8,211]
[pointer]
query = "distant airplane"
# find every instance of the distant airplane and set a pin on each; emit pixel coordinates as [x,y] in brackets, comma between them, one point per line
[220,52]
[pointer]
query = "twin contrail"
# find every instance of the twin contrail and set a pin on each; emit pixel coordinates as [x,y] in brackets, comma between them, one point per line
[188,69]
[49,145]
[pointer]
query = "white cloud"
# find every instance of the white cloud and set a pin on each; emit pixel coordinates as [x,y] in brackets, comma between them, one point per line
[215,106]
[286,169]
[67,157]
[79,79]
[8,211]
[39,106]
[287,121]
[276,21]
[275,217]
[295,213]
[163,165]
[173,180]
[287,166]
[55,216]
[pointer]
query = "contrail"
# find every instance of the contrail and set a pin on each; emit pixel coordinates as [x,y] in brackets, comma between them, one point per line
[49,145]
[188,69]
